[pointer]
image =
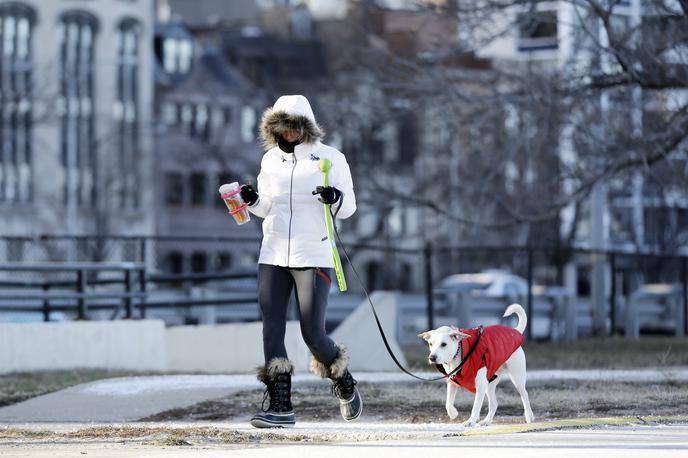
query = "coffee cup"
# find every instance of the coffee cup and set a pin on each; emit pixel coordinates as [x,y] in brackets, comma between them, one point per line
[231,195]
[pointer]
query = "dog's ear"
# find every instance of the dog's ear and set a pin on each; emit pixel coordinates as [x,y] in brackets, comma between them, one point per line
[457,334]
[425,335]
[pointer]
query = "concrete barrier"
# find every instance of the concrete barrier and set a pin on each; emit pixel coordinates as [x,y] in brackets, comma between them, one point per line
[361,336]
[147,345]
[140,345]
[131,345]
[227,348]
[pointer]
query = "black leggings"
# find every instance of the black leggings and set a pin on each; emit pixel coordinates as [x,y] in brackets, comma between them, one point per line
[312,284]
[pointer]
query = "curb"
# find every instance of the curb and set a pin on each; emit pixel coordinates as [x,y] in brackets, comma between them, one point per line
[574,423]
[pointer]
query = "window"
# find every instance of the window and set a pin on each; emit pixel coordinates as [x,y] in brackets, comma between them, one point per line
[407,139]
[372,273]
[201,122]
[621,224]
[217,118]
[193,120]
[76,107]
[223,261]
[198,189]
[226,115]
[16,67]
[174,189]
[198,262]
[175,262]
[169,113]
[127,113]
[537,31]
[177,55]
[248,123]
[186,116]
[405,278]
[15,250]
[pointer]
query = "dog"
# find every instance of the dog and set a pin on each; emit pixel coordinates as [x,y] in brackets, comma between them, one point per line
[489,353]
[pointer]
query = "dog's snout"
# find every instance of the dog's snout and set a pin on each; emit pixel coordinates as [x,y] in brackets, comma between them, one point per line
[432,358]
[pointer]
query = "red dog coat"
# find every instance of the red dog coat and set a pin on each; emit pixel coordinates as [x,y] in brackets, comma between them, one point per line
[495,346]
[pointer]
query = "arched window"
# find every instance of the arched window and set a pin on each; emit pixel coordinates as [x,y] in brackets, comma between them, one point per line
[127,112]
[16,67]
[78,31]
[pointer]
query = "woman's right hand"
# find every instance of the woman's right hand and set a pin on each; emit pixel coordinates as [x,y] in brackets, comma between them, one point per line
[248,194]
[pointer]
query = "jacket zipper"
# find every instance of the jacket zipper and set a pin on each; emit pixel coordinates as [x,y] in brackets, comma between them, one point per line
[291,212]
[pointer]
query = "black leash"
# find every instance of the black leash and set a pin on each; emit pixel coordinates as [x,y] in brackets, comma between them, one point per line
[379,325]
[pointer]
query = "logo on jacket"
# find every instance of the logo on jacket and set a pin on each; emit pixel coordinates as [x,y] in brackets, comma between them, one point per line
[314,157]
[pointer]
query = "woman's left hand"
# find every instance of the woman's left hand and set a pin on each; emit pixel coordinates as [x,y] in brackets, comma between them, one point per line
[248,194]
[328,194]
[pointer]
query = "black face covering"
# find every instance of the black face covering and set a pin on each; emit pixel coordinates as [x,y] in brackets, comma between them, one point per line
[287,147]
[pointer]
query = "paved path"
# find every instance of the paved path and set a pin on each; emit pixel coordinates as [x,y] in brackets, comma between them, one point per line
[131,398]
[612,442]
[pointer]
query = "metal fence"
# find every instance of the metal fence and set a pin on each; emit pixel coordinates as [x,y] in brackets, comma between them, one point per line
[628,278]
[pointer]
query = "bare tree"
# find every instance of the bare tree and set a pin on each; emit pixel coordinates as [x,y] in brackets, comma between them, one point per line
[534,137]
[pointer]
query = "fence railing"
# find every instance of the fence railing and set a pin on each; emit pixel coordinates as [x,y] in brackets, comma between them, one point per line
[625,272]
[76,294]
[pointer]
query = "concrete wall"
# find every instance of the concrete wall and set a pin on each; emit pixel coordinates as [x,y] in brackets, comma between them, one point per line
[133,345]
[145,345]
[227,348]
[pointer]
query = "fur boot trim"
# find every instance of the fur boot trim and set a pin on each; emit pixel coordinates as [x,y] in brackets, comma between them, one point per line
[275,123]
[274,367]
[334,370]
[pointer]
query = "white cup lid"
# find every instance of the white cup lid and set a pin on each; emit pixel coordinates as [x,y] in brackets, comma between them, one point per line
[229,187]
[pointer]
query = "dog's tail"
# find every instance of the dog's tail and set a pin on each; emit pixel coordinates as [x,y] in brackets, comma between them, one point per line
[520,313]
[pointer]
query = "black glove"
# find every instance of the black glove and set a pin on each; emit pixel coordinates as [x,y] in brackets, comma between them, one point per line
[249,194]
[328,194]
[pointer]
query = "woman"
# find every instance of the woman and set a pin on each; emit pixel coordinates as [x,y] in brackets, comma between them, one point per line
[296,253]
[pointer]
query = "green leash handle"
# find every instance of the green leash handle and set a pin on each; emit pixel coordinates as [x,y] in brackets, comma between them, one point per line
[325,166]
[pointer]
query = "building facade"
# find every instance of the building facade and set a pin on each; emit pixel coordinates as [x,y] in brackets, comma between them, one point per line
[76,140]
[206,123]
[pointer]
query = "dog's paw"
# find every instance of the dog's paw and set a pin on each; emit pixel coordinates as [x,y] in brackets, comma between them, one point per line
[468,423]
[452,412]
[485,422]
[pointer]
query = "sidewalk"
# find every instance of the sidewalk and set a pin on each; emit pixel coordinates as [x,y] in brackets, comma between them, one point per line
[131,398]
[628,441]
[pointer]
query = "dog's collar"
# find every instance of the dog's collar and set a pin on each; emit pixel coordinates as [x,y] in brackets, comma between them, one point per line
[458,351]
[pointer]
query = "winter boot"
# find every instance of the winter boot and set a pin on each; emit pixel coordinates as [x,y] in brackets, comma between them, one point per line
[277,378]
[343,384]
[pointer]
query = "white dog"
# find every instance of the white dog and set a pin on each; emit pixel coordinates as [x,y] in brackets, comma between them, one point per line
[485,355]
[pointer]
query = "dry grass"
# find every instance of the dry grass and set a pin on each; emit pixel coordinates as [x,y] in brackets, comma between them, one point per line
[121,432]
[421,403]
[172,440]
[159,436]
[19,433]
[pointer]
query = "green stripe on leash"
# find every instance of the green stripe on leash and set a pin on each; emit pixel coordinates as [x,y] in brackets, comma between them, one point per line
[325,166]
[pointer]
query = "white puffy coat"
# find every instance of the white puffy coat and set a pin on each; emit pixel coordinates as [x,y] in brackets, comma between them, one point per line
[294,230]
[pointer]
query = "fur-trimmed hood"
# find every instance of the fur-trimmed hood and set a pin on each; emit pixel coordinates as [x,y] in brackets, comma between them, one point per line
[290,112]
